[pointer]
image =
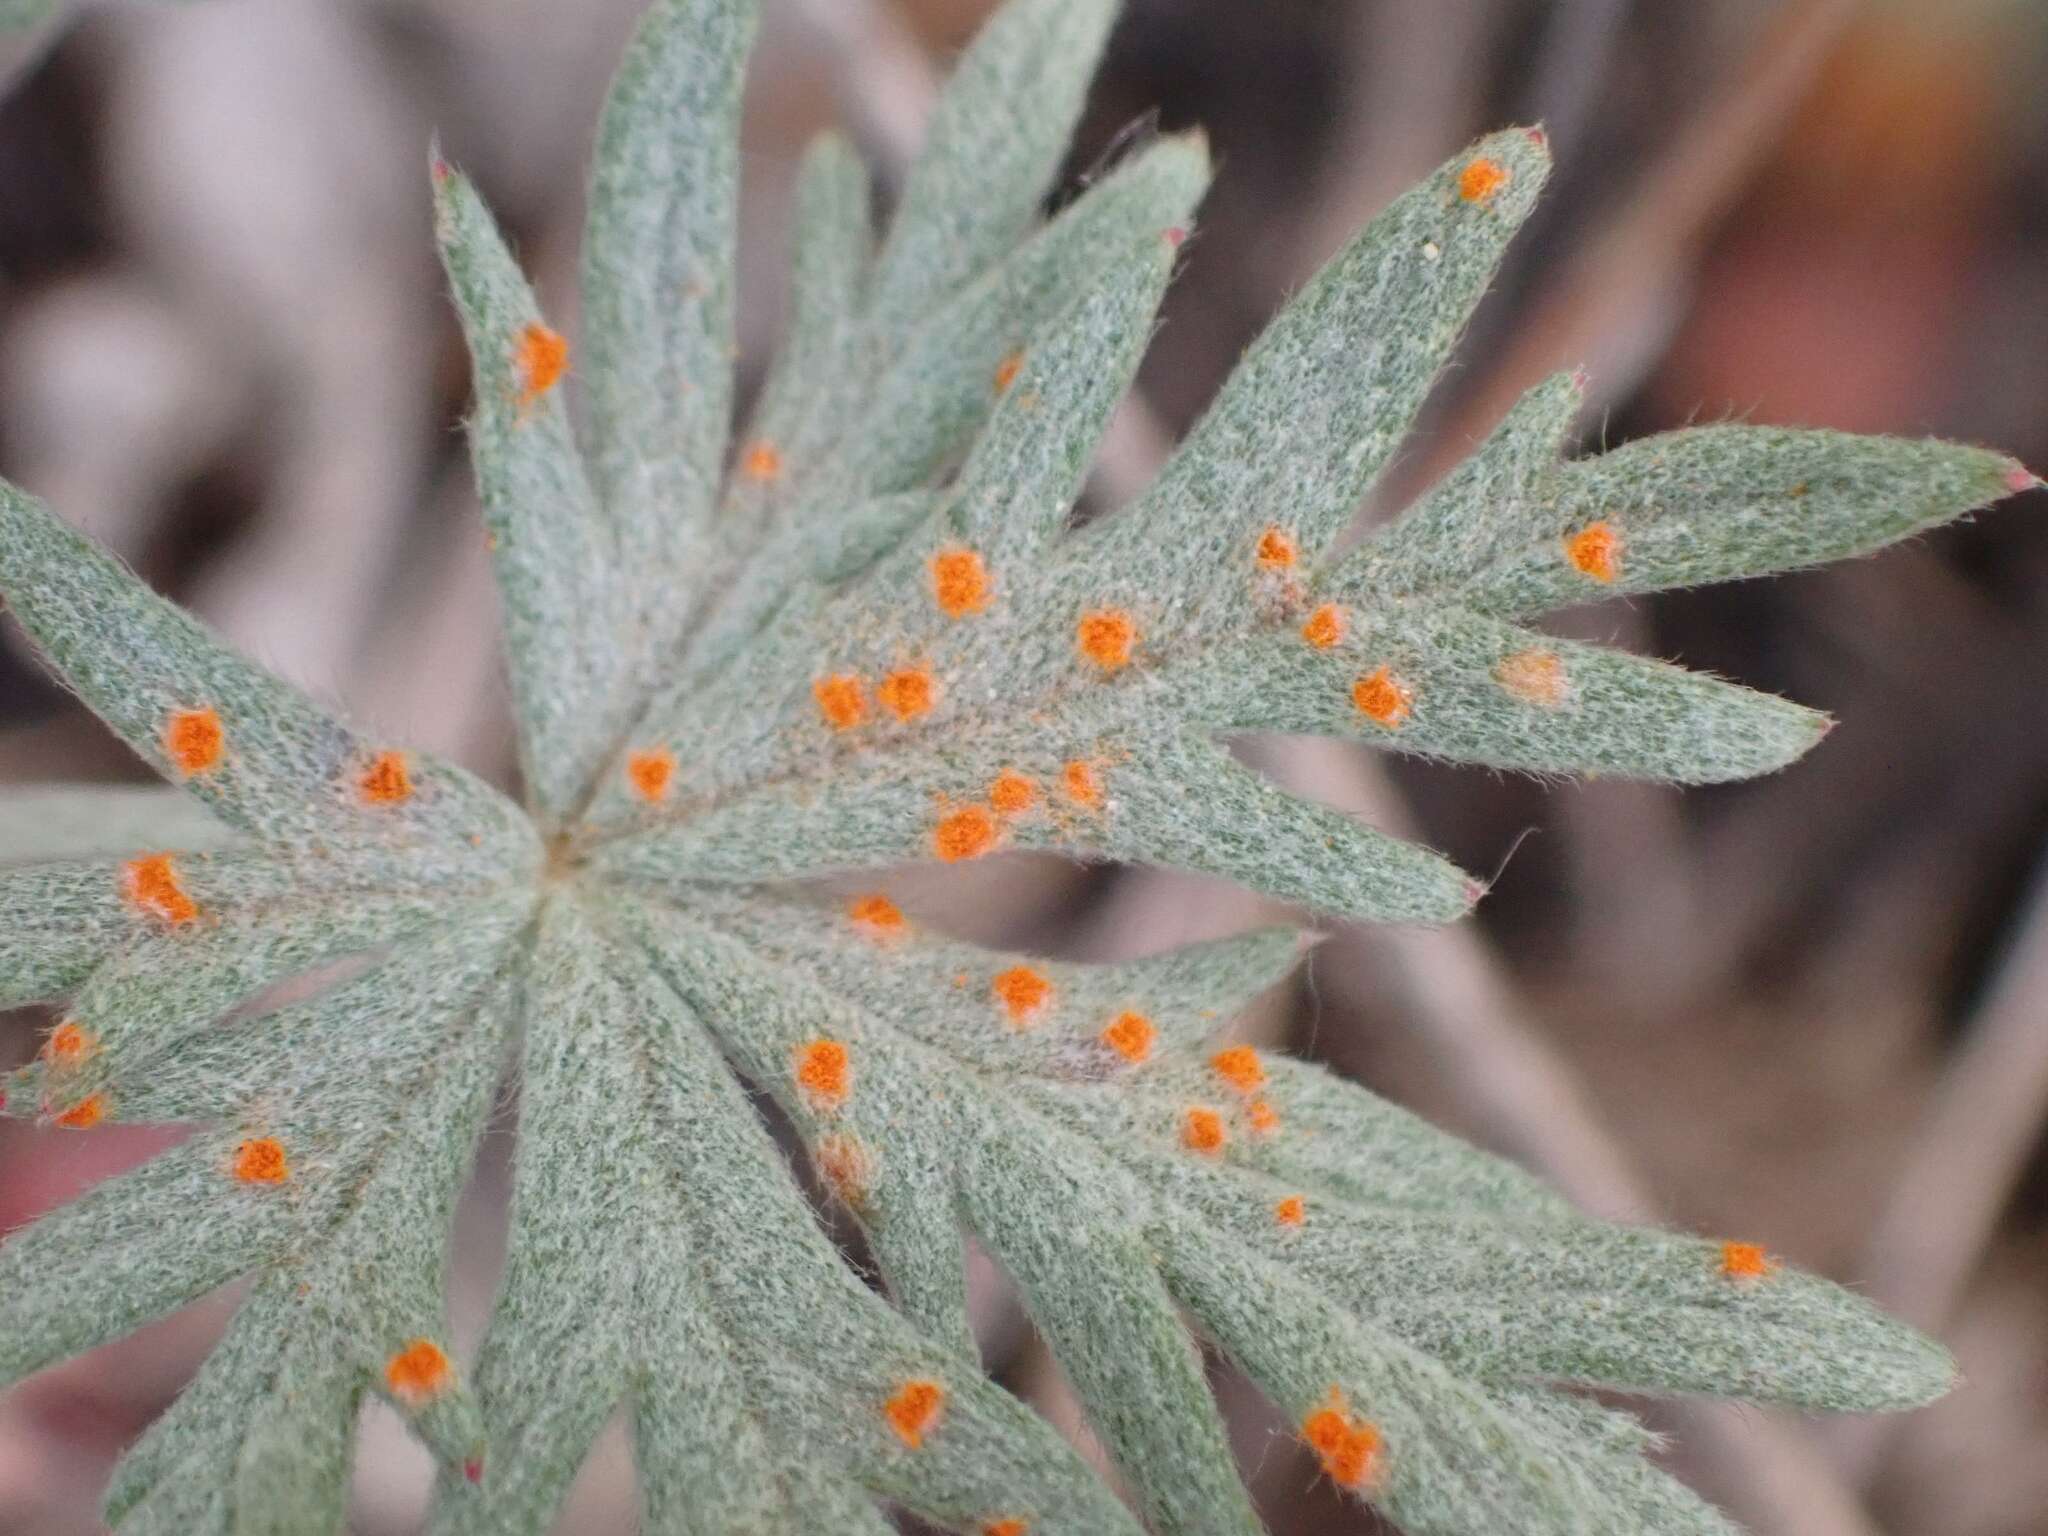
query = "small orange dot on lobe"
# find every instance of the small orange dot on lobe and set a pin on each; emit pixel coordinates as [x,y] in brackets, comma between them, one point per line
[1240,1067]
[1023,992]
[1006,1528]
[879,916]
[843,1163]
[1277,550]
[959,582]
[913,1410]
[387,781]
[1007,371]
[262,1161]
[417,1372]
[651,773]
[152,887]
[1348,1447]
[1082,785]
[1324,627]
[762,462]
[85,1114]
[967,833]
[1264,1118]
[1595,551]
[1382,699]
[1482,180]
[841,700]
[823,1073]
[69,1043]
[1291,1211]
[908,694]
[1105,636]
[1011,793]
[542,358]
[1202,1130]
[1745,1261]
[194,741]
[1130,1035]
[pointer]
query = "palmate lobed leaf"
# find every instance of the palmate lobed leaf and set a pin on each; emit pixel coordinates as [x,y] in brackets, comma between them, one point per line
[877,636]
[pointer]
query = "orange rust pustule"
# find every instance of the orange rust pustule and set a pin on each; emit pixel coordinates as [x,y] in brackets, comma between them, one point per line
[761,462]
[542,357]
[1534,676]
[1264,1118]
[417,1373]
[1595,551]
[1131,1035]
[914,1409]
[1007,371]
[844,1165]
[1105,638]
[1202,1130]
[878,916]
[908,693]
[1382,699]
[262,1160]
[841,699]
[1239,1066]
[1082,784]
[1277,550]
[1012,793]
[652,774]
[1023,993]
[85,1114]
[152,887]
[194,741]
[1348,1447]
[387,780]
[1482,180]
[1291,1211]
[967,833]
[1324,628]
[1745,1261]
[69,1043]
[1011,1527]
[959,582]
[824,1073]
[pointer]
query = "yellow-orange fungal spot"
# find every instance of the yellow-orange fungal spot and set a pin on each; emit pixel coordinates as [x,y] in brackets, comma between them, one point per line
[842,700]
[1201,1130]
[651,774]
[1011,793]
[959,582]
[1347,1446]
[908,693]
[151,885]
[1382,698]
[1082,784]
[967,833]
[1595,551]
[194,741]
[878,916]
[1105,637]
[1291,1212]
[1745,1261]
[85,1114]
[762,462]
[387,781]
[1007,371]
[1239,1066]
[1325,627]
[261,1160]
[1534,676]
[844,1165]
[913,1410]
[1023,992]
[1482,180]
[69,1043]
[417,1372]
[1130,1035]
[1264,1117]
[824,1073]
[1277,550]
[542,358]
[1006,1528]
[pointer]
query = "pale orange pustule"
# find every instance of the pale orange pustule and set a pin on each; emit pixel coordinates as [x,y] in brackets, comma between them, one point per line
[1082,784]
[1007,371]
[824,1073]
[1277,550]
[1324,628]
[842,700]
[878,917]
[1006,1527]
[1745,1261]
[651,774]
[1131,1035]
[1239,1066]
[262,1160]
[417,1373]
[914,1409]
[1382,699]
[152,887]
[908,693]
[1023,992]
[959,582]
[1105,638]
[967,833]
[761,462]
[1482,180]
[1202,1130]
[1534,676]
[542,357]
[1290,1211]
[85,1114]
[194,741]
[386,781]
[1347,1446]
[69,1043]
[1012,793]
[844,1165]
[1595,551]
[1264,1118]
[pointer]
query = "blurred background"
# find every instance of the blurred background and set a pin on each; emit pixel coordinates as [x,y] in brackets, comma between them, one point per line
[1811,1011]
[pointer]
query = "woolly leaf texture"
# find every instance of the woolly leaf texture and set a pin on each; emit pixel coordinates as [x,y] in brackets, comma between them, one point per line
[868,630]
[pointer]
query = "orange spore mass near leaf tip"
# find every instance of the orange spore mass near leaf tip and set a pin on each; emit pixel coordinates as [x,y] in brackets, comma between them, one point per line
[1239,1066]
[1348,1447]
[823,1073]
[1595,551]
[651,773]
[1291,1211]
[1482,180]
[69,1043]
[1130,1035]
[1011,793]
[909,693]
[387,781]
[880,916]
[841,700]
[913,1410]
[1382,699]
[1105,636]
[85,1114]
[1202,1130]
[194,741]
[417,1372]
[959,582]
[1277,550]
[1745,1261]
[1324,627]
[762,462]
[967,833]
[151,885]
[542,358]
[262,1161]
[1022,991]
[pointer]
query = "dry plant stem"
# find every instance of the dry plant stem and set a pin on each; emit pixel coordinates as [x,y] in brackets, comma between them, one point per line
[1968,1153]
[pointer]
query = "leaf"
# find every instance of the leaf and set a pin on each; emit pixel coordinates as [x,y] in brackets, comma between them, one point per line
[48,823]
